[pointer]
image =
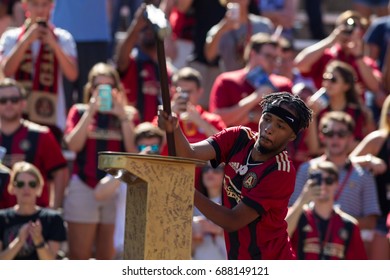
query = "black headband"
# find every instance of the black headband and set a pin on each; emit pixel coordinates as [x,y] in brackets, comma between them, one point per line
[285,115]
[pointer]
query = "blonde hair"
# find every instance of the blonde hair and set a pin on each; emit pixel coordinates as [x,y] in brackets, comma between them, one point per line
[147,130]
[342,18]
[25,167]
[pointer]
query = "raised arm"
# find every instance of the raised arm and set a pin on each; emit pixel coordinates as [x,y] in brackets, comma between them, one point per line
[183,5]
[308,56]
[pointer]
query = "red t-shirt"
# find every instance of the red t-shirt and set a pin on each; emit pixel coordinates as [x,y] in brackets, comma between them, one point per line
[265,187]
[318,68]
[230,87]
[194,134]
[104,134]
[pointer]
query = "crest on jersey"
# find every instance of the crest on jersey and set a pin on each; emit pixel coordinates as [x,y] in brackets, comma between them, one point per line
[250,180]
[25,145]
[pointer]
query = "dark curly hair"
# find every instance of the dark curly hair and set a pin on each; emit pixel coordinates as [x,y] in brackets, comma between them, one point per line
[293,102]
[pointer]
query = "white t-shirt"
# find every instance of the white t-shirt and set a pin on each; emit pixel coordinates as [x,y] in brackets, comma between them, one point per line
[9,39]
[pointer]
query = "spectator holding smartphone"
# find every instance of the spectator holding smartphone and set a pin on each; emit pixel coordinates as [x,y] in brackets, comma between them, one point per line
[345,43]
[89,130]
[318,229]
[38,54]
[197,123]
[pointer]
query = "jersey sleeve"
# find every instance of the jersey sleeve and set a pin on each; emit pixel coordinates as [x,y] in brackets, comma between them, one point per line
[129,81]
[222,143]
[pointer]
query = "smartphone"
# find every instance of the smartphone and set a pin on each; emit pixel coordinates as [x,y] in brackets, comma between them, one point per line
[316,176]
[257,77]
[104,92]
[184,95]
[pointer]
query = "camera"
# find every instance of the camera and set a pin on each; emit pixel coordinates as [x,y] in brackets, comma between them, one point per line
[316,176]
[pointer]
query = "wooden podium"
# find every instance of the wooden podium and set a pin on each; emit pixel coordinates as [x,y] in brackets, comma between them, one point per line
[159,203]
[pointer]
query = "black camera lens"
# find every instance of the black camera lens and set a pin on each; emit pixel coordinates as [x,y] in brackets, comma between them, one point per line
[350,25]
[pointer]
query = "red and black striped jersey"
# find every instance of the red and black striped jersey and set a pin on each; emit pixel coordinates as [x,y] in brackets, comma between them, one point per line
[265,186]
[337,238]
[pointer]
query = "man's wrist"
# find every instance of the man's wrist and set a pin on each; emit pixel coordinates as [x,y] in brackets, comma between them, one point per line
[125,118]
[40,245]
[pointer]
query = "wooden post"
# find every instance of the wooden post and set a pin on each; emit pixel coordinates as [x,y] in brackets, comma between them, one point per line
[159,203]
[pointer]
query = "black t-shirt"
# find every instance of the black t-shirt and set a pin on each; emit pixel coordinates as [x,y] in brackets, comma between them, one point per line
[53,229]
[4,179]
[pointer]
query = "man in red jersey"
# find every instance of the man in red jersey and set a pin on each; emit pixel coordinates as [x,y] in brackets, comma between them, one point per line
[235,94]
[319,230]
[259,177]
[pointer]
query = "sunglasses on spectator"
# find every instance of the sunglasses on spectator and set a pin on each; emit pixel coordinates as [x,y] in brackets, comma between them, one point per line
[331,133]
[329,77]
[208,168]
[12,99]
[153,148]
[21,184]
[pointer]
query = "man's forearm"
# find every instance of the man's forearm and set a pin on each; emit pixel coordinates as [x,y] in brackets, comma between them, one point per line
[60,181]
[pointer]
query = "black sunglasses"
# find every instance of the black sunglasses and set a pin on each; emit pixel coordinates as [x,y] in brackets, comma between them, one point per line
[331,133]
[12,99]
[97,85]
[21,184]
[329,77]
